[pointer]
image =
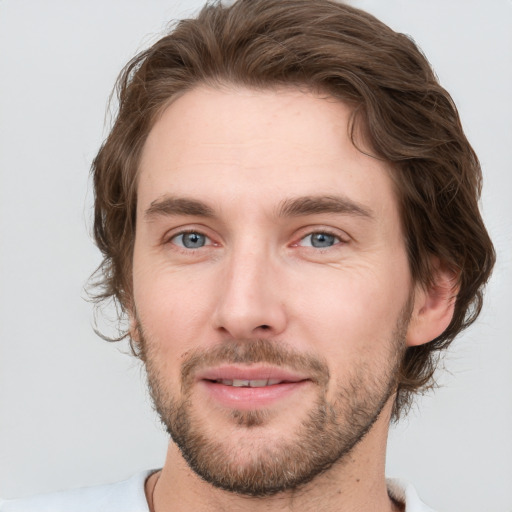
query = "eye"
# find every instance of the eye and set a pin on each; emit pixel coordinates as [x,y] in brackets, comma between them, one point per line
[191,240]
[319,240]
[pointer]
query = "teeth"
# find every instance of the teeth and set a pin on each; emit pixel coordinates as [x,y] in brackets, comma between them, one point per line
[244,383]
[240,383]
[258,383]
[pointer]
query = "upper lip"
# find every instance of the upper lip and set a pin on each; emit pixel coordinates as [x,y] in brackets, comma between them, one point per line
[253,372]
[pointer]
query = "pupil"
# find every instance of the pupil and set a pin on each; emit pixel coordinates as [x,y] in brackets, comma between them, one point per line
[322,240]
[193,240]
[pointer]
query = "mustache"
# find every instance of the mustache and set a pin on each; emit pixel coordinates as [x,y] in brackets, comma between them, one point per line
[251,352]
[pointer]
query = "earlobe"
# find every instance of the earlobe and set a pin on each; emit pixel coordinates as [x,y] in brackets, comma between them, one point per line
[433,307]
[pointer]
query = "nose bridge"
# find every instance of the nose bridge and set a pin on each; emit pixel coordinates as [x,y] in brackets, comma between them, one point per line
[250,303]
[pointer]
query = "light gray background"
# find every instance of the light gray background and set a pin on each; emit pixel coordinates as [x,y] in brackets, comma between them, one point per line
[73,408]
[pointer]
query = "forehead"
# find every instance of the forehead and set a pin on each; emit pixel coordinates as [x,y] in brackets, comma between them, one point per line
[222,145]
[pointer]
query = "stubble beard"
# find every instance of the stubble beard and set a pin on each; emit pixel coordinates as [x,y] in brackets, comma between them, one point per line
[325,437]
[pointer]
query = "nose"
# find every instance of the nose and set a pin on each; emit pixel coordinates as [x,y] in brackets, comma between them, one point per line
[251,297]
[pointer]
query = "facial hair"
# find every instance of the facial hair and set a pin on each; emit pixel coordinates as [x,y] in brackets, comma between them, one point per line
[326,435]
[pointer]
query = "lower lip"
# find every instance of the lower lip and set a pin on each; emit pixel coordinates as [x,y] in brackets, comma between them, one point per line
[246,398]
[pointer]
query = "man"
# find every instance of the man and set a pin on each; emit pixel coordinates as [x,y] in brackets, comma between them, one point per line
[287,209]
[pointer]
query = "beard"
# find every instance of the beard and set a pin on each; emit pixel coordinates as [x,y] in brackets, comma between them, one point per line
[262,465]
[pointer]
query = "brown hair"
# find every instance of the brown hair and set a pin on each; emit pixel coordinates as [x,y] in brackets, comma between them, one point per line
[408,119]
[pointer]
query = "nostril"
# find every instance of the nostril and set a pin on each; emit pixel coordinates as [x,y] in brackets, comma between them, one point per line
[265,327]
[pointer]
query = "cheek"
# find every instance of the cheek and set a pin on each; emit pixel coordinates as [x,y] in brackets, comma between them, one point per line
[171,305]
[353,313]
[169,322]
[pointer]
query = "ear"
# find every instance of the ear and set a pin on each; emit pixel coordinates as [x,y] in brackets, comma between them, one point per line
[433,306]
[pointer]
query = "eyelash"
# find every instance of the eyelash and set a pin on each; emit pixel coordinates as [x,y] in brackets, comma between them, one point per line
[189,250]
[188,232]
[327,232]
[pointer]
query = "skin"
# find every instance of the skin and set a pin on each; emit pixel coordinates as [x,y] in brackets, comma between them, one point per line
[244,153]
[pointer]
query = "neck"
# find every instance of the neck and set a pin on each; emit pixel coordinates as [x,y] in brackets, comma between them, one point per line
[356,483]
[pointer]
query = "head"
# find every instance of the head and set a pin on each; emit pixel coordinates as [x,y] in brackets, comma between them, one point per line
[395,113]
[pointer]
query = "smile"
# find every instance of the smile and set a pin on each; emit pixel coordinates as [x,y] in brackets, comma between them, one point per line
[245,383]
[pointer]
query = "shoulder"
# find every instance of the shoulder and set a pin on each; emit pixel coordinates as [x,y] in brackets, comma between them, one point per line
[126,496]
[404,492]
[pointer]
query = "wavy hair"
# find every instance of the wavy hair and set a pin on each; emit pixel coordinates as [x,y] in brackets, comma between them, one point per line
[407,119]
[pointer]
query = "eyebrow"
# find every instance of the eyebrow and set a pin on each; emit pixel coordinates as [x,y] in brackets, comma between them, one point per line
[178,206]
[295,207]
[311,205]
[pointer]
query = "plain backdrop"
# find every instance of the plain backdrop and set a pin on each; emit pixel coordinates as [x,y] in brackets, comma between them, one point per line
[73,408]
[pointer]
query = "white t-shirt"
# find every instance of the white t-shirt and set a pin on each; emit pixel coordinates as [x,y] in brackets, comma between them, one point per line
[129,496]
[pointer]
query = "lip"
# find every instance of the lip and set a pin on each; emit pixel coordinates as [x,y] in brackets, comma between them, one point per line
[250,398]
[253,372]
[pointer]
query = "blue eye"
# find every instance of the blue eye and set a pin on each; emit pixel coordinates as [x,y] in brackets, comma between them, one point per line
[320,240]
[190,240]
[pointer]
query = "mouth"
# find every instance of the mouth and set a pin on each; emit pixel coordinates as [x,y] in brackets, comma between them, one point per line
[250,387]
[253,376]
[253,383]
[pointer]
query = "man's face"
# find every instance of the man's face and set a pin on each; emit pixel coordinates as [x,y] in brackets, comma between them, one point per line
[271,285]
